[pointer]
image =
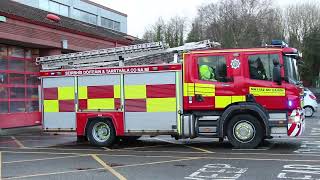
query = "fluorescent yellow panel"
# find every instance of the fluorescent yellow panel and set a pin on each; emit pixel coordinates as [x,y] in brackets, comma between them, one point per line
[83,92]
[207,90]
[116,91]
[65,93]
[135,91]
[51,106]
[188,89]
[161,105]
[104,103]
[205,85]
[222,101]
[238,98]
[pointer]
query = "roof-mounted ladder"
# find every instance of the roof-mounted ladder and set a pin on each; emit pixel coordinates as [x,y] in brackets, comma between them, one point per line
[105,57]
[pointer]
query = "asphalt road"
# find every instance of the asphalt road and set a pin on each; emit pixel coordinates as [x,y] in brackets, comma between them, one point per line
[58,156]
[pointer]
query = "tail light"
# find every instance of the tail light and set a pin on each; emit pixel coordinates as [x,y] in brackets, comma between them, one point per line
[312,96]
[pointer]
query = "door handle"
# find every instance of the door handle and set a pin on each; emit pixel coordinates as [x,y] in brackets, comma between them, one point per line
[225,85]
[199,97]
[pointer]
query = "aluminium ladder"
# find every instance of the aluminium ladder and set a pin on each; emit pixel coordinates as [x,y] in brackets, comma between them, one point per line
[110,56]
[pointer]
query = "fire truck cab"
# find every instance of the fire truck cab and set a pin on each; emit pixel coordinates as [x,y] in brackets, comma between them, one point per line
[246,95]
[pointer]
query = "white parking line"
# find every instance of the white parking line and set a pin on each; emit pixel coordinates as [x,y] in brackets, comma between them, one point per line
[43,159]
[192,147]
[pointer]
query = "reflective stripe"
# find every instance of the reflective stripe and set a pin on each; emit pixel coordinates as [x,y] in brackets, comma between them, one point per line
[51,105]
[161,105]
[135,91]
[188,89]
[116,91]
[224,101]
[65,93]
[238,99]
[263,91]
[83,92]
[105,103]
[205,90]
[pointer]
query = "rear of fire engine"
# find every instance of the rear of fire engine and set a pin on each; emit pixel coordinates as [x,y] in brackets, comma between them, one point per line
[249,95]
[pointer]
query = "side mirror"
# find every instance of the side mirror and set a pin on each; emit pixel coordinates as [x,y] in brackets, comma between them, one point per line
[277,74]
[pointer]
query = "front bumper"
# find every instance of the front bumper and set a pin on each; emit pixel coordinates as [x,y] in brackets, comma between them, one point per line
[296,125]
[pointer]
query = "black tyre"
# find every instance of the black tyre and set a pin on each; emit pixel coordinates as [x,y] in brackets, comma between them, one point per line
[245,131]
[308,111]
[100,132]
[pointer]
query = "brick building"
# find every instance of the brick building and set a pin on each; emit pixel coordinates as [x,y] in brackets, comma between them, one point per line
[26,33]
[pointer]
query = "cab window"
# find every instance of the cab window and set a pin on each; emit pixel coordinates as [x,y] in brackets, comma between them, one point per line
[212,68]
[261,66]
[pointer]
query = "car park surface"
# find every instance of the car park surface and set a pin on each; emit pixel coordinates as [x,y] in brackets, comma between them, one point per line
[59,156]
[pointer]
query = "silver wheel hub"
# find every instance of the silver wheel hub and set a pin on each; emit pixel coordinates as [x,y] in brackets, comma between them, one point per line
[308,111]
[101,132]
[244,131]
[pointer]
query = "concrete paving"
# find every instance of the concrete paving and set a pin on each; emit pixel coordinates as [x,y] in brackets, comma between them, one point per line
[38,155]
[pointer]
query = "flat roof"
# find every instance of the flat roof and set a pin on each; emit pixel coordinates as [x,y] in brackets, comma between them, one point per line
[18,11]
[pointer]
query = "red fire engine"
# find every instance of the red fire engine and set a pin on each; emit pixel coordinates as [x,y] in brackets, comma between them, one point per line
[246,95]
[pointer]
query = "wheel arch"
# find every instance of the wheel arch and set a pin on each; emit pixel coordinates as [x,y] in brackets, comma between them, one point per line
[308,106]
[250,108]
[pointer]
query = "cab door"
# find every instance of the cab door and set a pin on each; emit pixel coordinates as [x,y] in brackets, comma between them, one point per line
[259,80]
[215,93]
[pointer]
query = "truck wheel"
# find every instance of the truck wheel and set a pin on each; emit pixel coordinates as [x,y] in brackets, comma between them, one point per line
[244,131]
[308,111]
[101,132]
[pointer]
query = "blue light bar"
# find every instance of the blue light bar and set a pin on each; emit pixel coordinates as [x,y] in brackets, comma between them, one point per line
[279,43]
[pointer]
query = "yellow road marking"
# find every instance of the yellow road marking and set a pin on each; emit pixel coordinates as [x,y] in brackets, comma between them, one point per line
[43,159]
[160,162]
[18,142]
[199,149]
[107,167]
[87,170]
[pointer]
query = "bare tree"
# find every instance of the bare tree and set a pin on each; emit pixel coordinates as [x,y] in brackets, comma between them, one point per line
[171,32]
[300,19]
[238,23]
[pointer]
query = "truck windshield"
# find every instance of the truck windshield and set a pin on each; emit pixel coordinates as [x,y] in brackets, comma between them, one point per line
[291,69]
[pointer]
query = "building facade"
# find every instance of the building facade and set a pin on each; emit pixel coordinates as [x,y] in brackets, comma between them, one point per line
[27,33]
[83,10]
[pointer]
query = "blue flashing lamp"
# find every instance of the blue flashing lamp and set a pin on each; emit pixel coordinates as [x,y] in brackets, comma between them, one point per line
[279,43]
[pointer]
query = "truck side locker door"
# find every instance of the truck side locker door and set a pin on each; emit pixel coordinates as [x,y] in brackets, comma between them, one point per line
[59,103]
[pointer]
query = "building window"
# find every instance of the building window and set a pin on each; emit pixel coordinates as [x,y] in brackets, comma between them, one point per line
[85,16]
[108,23]
[58,8]
[18,80]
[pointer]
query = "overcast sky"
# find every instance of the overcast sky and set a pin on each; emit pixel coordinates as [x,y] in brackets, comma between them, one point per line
[143,13]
